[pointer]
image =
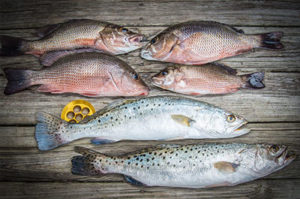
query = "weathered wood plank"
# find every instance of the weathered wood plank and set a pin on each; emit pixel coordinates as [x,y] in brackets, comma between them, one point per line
[25,14]
[260,189]
[279,101]
[20,159]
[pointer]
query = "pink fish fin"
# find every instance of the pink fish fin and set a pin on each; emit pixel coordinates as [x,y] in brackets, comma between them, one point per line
[49,89]
[133,181]
[18,80]
[49,131]
[225,68]
[99,141]
[84,164]
[49,58]
[46,30]
[225,167]
[113,81]
[90,94]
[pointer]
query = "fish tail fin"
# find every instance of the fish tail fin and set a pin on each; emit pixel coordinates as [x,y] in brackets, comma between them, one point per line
[254,80]
[11,46]
[18,80]
[271,40]
[88,163]
[48,131]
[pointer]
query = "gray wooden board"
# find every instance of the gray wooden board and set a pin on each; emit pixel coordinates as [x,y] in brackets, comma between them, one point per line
[273,113]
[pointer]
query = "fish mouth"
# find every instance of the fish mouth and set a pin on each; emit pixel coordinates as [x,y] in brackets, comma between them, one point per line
[241,129]
[138,39]
[285,157]
[156,81]
[146,54]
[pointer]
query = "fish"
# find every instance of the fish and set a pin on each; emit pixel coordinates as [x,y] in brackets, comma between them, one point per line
[152,118]
[209,79]
[187,166]
[89,74]
[201,42]
[75,34]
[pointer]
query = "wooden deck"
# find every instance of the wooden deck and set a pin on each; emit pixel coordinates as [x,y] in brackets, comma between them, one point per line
[273,113]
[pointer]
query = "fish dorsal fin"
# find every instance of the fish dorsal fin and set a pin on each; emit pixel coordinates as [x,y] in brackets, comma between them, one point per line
[225,167]
[133,181]
[183,120]
[46,30]
[225,68]
[106,108]
[237,30]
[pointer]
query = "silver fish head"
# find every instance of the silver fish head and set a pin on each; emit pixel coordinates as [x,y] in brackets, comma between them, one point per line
[121,40]
[227,124]
[267,158]
[160,47]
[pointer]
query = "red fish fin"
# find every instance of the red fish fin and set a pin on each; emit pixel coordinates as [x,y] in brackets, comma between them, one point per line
[18,80]
[84,165]
[89,94]
[46,30]
[51,57]
[226,68]
[48,131]
[254,80]
[11,46]
[49,88]
[271,40]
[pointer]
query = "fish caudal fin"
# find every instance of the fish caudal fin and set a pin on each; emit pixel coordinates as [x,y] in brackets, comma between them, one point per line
[271,40]
[48,131]
[18,80]
[86,164]
[11,46]
[254,80]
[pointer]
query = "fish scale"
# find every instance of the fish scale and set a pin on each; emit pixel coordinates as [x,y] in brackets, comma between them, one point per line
[193,166]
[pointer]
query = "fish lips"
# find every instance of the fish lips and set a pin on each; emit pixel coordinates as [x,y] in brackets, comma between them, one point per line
[138,39]
[146,54]
[241,128]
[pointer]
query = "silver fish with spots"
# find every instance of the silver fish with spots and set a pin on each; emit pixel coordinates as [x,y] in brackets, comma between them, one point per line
[189,166]
[153,118]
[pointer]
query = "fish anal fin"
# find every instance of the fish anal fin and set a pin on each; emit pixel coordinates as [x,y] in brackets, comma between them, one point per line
[99,141]
[225,167]
[48,88]
[133,181]
[226,68]
[184,120]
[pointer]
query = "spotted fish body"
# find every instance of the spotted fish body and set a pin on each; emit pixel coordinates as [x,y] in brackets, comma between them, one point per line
[89,74]
[75,34]
[200,42]
[153,118]
[205,80]
[190,166]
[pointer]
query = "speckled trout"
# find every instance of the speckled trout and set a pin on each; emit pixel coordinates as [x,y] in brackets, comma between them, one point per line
[200,42]
[153,118]
[190,166]
[75,34]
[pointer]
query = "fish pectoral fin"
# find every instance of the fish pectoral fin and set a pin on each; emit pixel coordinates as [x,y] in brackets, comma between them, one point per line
[99,141]
[184,120]
[133,181]
[225,68]
[225,167]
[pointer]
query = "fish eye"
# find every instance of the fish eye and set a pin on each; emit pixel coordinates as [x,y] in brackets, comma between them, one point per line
[231,118]
[164,73]
[124,30]
[135,76]
[153,40]
[274,148]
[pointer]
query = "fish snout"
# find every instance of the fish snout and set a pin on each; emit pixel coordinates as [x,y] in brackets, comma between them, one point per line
[139,39]
[157,80]
[146,54]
